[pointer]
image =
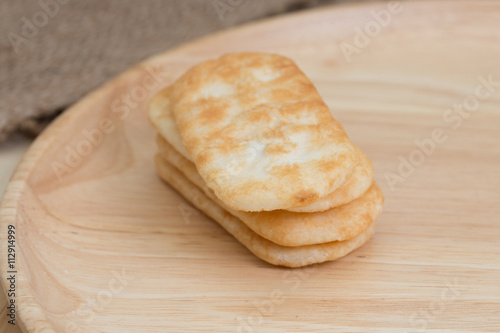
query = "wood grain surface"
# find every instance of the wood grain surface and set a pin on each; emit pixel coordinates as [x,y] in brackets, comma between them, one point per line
[104,246]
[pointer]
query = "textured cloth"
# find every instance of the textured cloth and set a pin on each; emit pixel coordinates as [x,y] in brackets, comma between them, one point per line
[55,51]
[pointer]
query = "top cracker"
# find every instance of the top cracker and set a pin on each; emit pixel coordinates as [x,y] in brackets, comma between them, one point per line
[259,133]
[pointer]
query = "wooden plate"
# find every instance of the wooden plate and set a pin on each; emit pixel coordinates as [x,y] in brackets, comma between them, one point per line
[102,245]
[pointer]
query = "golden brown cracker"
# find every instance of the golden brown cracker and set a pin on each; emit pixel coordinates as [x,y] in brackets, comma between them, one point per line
[262,248]
[289,228]
[259,133]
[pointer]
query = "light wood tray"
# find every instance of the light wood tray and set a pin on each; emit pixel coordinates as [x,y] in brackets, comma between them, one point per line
[108,247]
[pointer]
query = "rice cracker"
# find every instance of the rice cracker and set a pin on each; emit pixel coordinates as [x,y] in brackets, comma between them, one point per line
[290,228]
[262,248]
[258,132]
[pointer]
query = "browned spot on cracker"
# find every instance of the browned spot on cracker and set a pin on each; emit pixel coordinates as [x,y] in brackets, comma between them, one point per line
[306,196]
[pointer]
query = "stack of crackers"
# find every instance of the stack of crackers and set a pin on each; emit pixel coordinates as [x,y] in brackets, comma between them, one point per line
[248,140]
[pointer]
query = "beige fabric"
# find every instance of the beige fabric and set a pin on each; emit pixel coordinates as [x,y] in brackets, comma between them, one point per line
[46,65]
